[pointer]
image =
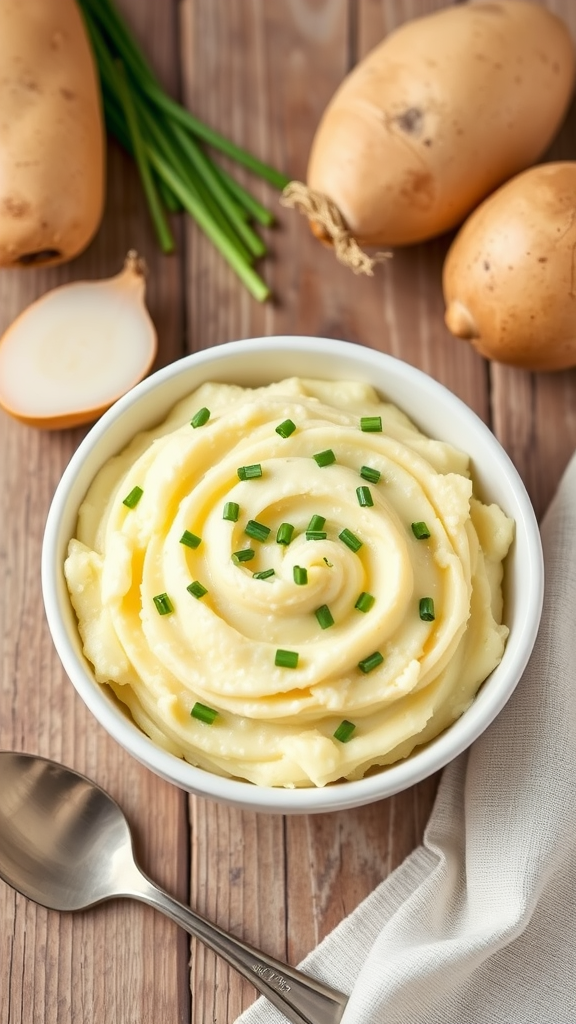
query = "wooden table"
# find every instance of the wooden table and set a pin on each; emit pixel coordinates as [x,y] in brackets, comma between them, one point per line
[261,73]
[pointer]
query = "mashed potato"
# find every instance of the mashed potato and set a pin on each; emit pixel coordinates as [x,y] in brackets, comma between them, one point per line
[290,585]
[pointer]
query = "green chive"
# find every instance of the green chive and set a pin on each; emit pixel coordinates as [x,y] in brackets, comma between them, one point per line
[316,523]
[316,534]
[190,539]
[427,609]
[231,511]
[284,535]
[196,589]
[246,555]
[203,713]
[132,499]
[286,428]
[200,418]
[364,602]
[371,424]
[350,540]
[250,472]
[325,458]
[371,662]
[420,531]
[163,604]
[300,575]
[372,475]
[365,499]
[324,616]
[257,530]
[286,659]
[344,731]
[264,575]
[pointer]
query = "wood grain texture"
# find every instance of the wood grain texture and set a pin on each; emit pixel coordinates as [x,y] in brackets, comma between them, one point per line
[262,74]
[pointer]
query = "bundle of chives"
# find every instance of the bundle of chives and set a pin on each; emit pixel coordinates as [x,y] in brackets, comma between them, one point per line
[167,141]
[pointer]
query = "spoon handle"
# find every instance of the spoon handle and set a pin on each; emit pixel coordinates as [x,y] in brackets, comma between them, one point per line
[302,999]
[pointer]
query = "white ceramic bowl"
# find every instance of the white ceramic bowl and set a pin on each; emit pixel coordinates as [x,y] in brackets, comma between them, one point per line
[260,361]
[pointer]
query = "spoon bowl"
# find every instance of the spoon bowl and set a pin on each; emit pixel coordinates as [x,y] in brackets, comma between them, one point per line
[65,843]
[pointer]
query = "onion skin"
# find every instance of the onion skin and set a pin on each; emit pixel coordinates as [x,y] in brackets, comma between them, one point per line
[52,141]
[509,277]
[438,115]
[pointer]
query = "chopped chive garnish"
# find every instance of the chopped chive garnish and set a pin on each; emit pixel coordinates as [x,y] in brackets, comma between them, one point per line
[316,523]
[324,616]
[257,530]
[246,555]
[427,609]
[344,731]
[316,534]
[300,575]
[372,475]
[329,564]
[350,540]
[420,531]
[371,424]
[325,458]
[249,472]
[163,604]
[364,602]
[190,539]
[286,659]
[284,535]
[132,499]
[231,511]
[200,418]
[365,499]
[286,428]
[264,575]
[196,589]
[204,713]
[371,662]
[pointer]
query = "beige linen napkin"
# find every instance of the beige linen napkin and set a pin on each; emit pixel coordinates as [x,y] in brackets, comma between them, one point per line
[478,925]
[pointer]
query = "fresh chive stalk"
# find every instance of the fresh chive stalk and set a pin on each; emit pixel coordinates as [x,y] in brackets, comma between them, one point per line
[286,428]
[286,659]
[325,458]
[300,575]
[163,604]
[350,540]
[316,523]
[203,713]
[190,540]
[420,531]
[257,530]
[264,575]
[316,534]
[132,499]
[344,731]
[196,589]
[371,662]
[231,511]
[365,499]
[200,418]
[427,609]
[285,533]
[370,474]
[249,472]
[371,424]
[324,617]
[245,555]
[365,602]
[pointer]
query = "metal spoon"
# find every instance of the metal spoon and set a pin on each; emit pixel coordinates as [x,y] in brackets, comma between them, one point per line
[65,843]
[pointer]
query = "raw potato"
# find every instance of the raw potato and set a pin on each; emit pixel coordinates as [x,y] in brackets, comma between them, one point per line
[510,274]
[438,115]
[51,134]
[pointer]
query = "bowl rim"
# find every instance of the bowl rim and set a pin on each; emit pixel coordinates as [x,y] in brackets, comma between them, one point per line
[337,796]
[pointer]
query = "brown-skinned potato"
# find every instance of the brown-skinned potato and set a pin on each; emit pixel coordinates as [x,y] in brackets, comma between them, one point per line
[509,277]
[443,111]
[52,151]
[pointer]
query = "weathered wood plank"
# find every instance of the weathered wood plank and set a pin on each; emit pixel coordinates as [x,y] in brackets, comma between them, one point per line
[121,962]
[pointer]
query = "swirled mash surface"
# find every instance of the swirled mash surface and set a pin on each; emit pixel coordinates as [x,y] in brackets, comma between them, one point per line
[275,725]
